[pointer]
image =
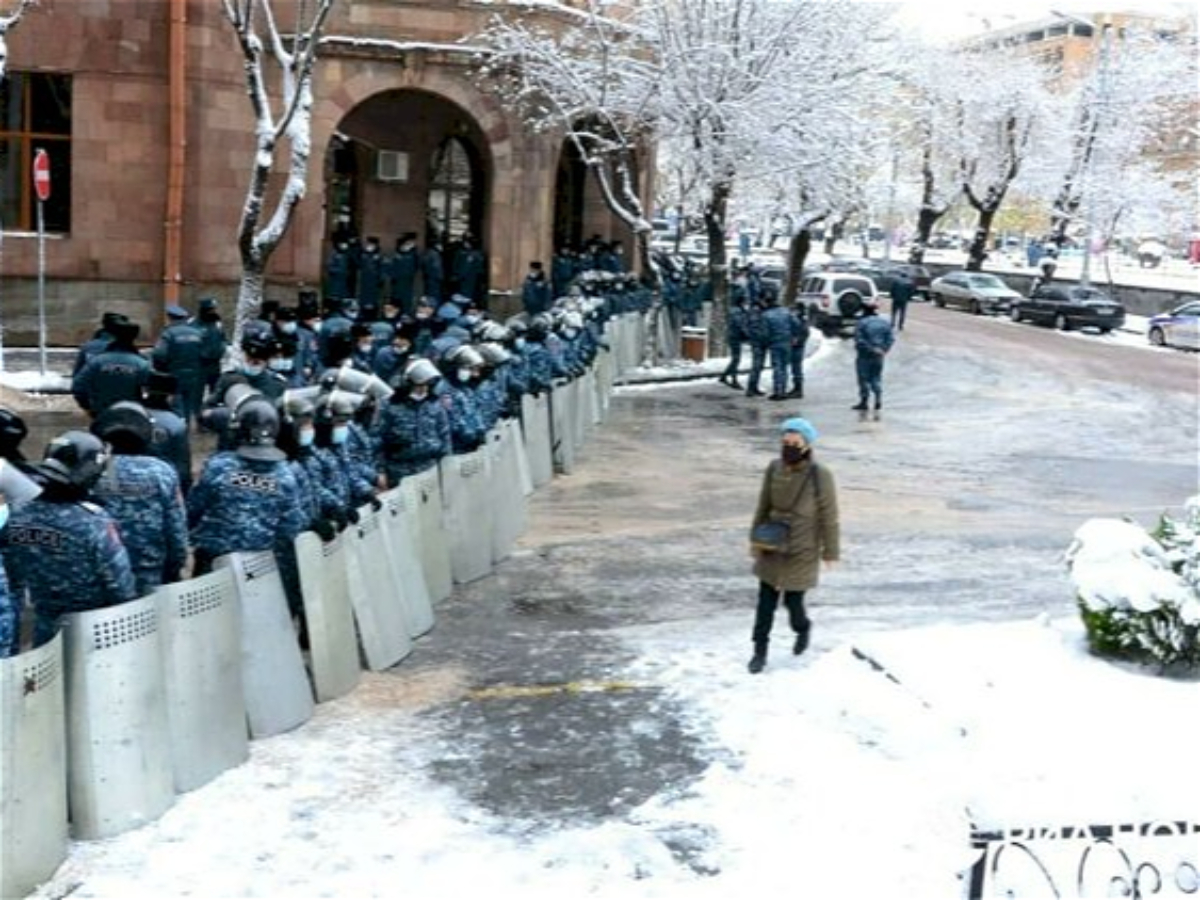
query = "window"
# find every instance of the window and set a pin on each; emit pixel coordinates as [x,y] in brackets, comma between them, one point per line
[35,113]
[450,190]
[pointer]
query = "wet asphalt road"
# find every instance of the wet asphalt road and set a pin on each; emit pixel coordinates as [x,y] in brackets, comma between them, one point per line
[996,442]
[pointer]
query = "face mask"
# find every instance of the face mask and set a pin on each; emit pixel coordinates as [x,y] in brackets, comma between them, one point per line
[253,369]
[423,315]
[464,375]
[282,364]
[519,343]
[305,437]
[793,454]
[339,434]
[419,393]
[365,347]
[287,327]
[3,515]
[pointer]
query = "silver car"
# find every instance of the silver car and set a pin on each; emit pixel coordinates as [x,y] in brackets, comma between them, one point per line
[976,292]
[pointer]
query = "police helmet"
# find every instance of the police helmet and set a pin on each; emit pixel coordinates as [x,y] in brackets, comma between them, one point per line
[300,403]
[492,331]
[339,404]
[255,429]
[13,430]
[517,326]
[421,371]
[126,426]
[494,353]
[464,356]
[75,459]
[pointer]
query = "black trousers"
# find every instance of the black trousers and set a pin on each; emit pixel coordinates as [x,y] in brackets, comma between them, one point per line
[764,616]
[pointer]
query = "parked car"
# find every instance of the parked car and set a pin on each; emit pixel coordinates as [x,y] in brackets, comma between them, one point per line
[976,292]
[1067,306]
[1178,328]
[834,300]
[919,275]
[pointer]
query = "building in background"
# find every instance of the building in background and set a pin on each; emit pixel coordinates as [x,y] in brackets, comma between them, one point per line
[404,140]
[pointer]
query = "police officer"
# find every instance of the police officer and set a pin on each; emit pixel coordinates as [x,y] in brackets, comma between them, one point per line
[873,338]
[208,321]
[142,494]
[414,427]
[116,373]
[800,333]
[335,412]
[370,281]
[778,325]
[460,370]
[402,273]
[337,272]
[470,267]
[736,335]
[248,499]
[62,550]
[169,440]
[15,488]
[180,351]
[756,336]
[13,432]
[258,348]
[98,341]
[433,271]
[535,291]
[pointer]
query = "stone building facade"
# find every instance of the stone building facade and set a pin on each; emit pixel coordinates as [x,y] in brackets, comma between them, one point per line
[142,101]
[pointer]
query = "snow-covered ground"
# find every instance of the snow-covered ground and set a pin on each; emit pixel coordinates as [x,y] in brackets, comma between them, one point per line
[828,777]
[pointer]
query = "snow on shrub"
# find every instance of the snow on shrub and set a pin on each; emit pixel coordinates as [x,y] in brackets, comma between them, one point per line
[1139,591]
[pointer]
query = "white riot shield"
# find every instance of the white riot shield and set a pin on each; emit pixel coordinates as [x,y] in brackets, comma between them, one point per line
[467,514]
[588,400]
[535,423]
[433,547]
[33,768]
[580,417]
[202,664]
[508,500]
[562,430]
[377,594]
[278,694]
[512,428]
[604,382]
[401,521]
[332,644]
[118,742]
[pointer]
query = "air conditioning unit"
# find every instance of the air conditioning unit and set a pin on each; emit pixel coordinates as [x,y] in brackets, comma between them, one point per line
[391,165]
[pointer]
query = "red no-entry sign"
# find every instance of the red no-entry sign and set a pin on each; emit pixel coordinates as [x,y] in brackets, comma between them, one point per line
[41,174]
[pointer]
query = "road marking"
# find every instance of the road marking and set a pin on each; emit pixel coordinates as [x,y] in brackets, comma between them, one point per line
[508,691]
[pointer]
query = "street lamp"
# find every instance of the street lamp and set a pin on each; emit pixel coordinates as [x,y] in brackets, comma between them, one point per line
[1101,102]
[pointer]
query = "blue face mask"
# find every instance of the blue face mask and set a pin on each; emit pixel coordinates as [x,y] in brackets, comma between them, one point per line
[339,434]
[253,369]
[305,437]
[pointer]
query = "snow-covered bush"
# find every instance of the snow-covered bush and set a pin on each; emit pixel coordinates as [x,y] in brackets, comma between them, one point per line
[1139,591]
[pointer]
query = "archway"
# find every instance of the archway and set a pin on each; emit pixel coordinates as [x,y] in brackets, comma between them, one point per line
[407,162]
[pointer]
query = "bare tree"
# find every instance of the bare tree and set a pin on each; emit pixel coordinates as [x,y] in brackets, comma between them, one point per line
[280,121]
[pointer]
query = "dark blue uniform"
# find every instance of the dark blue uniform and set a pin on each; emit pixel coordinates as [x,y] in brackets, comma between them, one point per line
[413,435]
[181,351]
[115,374]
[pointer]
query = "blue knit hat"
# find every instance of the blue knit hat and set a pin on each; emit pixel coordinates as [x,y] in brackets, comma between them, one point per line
[800,426]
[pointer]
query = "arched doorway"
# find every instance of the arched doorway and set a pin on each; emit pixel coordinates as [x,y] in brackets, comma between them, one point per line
[407,162]
[569,187]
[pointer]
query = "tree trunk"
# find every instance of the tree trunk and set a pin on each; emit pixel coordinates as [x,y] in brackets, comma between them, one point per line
[977,252]
[718,266]
[249,299]
[926,219]
[833,234]
[798,248]
[651,274]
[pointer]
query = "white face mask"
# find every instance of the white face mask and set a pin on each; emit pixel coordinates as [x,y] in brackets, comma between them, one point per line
[339,434]
[281,364]
[287,327]
[365,347]
[419,393]
[464,375]
[253,369]
[519,343]
[305,437]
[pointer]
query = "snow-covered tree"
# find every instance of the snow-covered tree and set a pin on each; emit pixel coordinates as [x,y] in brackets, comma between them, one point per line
[1134,90]
[280,121]
[8,21]
[1001,107]
[593,84]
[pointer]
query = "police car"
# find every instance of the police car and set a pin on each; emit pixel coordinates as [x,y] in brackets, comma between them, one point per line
[1178,328]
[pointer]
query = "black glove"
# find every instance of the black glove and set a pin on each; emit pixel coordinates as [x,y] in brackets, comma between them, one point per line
[352,515]
[376,504]
[338,519]
[325,529]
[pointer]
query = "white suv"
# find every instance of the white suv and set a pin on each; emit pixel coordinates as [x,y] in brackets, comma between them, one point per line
[834,300]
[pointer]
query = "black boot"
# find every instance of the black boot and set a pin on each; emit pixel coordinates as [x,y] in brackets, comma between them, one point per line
[777,397]
[758,660]
[861,406]
[754,392]
[801,642]
[797,392]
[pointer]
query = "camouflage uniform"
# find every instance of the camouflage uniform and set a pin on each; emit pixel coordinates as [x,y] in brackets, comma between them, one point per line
[330,491]
[10,618]
[69,557]
[413,435]
[467,429]
[244,505]
[541,374]
[169,441]
[359,476]
[142,495]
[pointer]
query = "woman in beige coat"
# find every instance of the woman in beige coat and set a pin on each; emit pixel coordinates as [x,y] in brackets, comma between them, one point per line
[801,494]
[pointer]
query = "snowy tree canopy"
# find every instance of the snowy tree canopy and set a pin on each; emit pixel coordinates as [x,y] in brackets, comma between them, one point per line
[7,22]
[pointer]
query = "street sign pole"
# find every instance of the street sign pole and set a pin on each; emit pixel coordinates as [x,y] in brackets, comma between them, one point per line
[41,186]
[41,286]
